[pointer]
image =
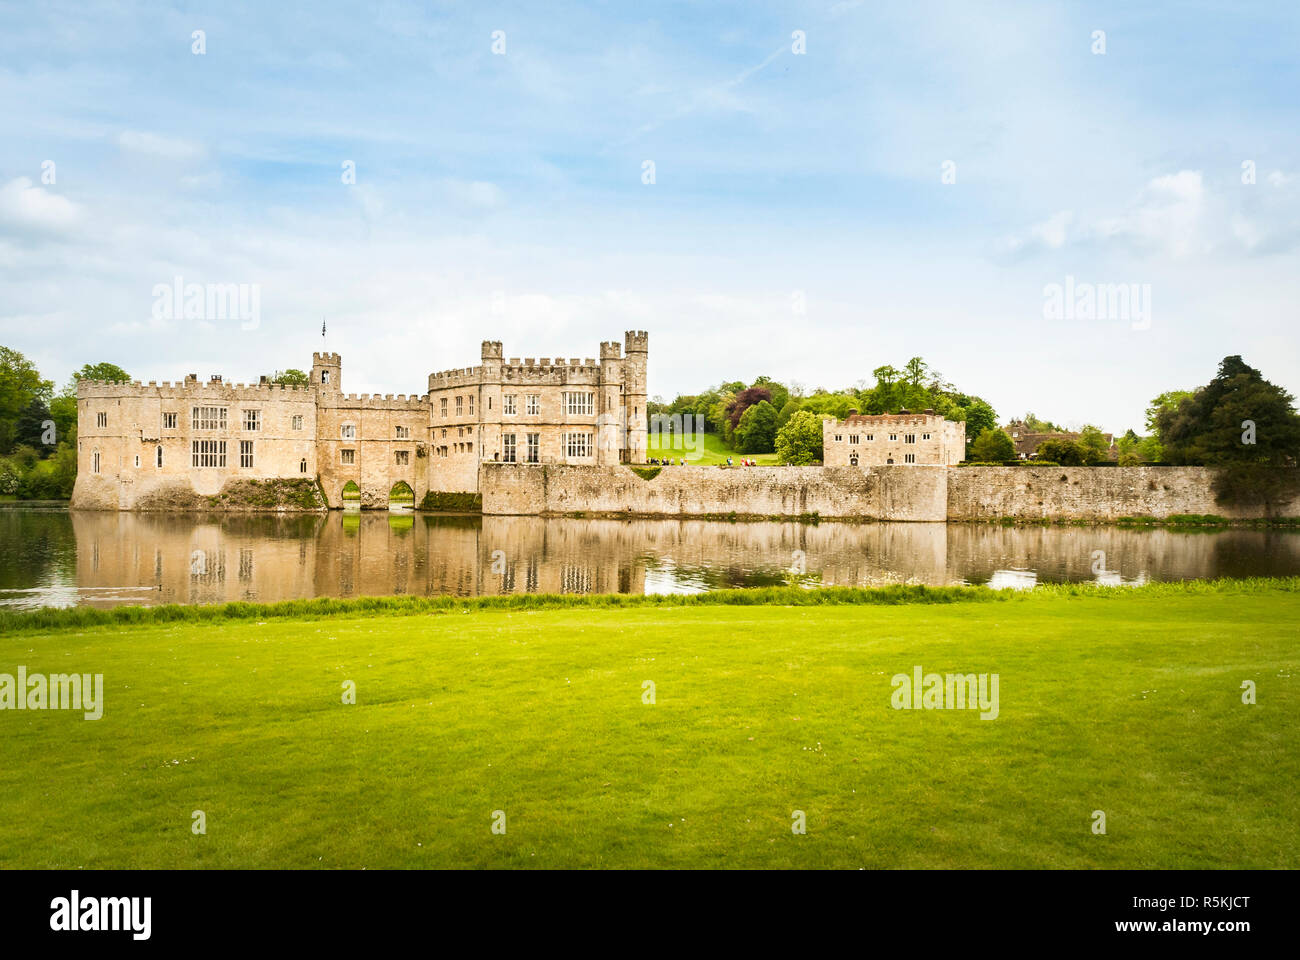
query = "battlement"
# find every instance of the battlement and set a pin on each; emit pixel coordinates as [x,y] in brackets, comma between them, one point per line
[491,350]
[377,401]
[183,389]
[636,341]
[611,350]
[326,359]
[458,377]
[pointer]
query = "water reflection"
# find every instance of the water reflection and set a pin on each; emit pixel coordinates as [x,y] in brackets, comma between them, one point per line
[103,559]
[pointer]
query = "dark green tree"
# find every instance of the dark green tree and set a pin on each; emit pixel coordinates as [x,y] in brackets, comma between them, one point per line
[993,445]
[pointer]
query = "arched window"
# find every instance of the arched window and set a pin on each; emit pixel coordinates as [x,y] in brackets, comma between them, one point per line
[158,454]
[302,465]
[853,460]
[94,460]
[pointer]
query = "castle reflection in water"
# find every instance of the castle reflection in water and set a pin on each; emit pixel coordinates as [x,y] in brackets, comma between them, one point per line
[103,559]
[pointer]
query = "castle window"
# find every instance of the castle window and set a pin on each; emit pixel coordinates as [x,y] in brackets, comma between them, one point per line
[94,461]
[508,447]
[853,438]
[871,436]
[909,458]
[471,404]
[348,431]
[246,454]
[252,419]
[137,461]
[578,444]
[469,448]
[580,404]
[169,421]
[442,408]
[444,433]
[853,460]
[208,418]
[402,457]
[909,438]
[508,404]
[925,436]
[347,456]
[534,449]
[459,402]
[324,376]
[208,453]
[302,465]
[158,455]
[532,404]
[101,419]
[893,436]
[403,433]
[297,421]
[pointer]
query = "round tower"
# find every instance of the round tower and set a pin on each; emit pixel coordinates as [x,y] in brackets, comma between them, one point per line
[636,350]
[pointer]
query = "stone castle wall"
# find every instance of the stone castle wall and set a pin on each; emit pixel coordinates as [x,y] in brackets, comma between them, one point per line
[897,492]
[1092,493]
[891,493]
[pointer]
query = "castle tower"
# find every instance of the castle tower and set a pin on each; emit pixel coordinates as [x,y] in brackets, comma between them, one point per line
[327,371]
[488,409]
[609,425]
[636,347]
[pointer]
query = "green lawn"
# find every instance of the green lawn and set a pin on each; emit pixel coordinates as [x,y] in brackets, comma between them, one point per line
[1125,701]
[700,449]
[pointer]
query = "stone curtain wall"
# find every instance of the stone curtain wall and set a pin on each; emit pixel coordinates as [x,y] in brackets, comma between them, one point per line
[892,493]
[1090,493]
[899,492]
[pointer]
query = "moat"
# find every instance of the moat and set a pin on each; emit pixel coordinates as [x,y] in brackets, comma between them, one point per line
[52,557]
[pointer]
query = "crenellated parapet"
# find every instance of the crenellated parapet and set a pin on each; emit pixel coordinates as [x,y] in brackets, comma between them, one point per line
[191,389]
[375,401]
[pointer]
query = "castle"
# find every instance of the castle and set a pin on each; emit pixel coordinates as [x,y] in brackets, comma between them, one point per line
[889,438]
[140,444]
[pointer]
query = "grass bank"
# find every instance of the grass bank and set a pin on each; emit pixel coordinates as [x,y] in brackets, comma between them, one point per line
[700,449]
[765,702]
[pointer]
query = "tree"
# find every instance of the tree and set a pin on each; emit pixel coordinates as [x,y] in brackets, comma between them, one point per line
[993,445]
[1034,425]
[1237,418]
[745,399]
[1066,452]
[1169,400]
[756,432]
[31,426]
[1093,446]
[109,372]
[792,406]
[298,378]
[20,384]
[800,440]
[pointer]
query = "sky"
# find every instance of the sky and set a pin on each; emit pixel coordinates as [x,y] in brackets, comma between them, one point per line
[805,191]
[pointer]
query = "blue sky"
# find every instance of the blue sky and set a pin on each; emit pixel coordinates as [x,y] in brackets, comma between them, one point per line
[501,196]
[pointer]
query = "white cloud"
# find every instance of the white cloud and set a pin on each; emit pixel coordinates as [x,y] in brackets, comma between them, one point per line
[25,207]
